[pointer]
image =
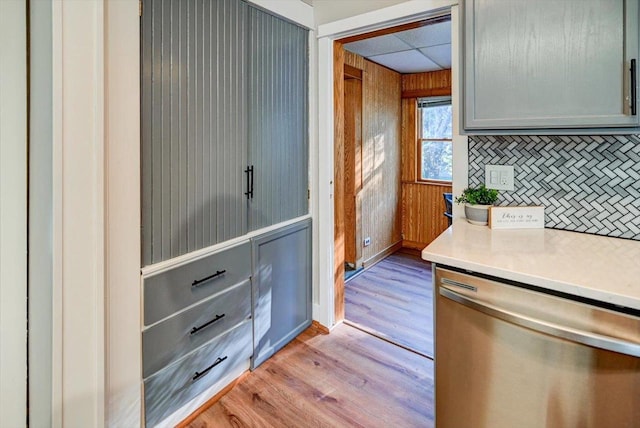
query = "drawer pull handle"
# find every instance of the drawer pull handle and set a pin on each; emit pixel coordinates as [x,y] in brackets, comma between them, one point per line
[215,275]
[198,375]
[194,330]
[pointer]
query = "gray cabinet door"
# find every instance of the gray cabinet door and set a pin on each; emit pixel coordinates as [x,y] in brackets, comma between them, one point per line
[549,64]
[194,125]
[278,117]
[281,288]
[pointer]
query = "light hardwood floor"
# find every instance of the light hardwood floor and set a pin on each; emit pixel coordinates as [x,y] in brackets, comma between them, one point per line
[393,299]
[344,379]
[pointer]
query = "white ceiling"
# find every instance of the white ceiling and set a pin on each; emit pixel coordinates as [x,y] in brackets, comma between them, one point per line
[422,49]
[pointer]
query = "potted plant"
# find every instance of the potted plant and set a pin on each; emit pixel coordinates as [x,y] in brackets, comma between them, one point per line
[477,202]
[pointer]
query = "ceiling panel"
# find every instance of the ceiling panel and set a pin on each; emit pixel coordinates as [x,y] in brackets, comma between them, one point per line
[377,45]
[399,51]
[429,35]
[411,61]
[440,54]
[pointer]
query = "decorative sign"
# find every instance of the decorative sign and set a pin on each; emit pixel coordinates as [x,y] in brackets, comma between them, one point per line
[516,217]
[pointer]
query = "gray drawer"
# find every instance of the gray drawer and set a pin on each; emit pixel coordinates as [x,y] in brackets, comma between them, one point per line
[183,286]
[174,337]
[175,385]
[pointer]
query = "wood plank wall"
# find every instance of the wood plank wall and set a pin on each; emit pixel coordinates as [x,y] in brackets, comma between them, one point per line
[380,196]
[352,168]
[422,204]
[431,84]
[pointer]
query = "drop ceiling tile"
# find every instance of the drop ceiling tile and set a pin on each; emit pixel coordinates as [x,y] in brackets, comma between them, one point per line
[440,54]
[410,61]
[429,35]
[377,45]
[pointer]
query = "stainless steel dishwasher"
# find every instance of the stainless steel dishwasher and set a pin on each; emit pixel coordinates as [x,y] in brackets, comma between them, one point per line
[509,356]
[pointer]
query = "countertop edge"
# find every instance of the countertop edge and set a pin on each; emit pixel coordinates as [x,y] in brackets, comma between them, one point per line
[545,283]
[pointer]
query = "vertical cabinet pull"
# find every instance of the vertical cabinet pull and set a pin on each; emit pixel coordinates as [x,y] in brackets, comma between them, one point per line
[198,375]
[194,330]
[634,91]
[249,172]
[215,275]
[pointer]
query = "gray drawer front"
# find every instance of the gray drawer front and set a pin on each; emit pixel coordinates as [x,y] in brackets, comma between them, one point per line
[174,386]
[173,290]
[169,340]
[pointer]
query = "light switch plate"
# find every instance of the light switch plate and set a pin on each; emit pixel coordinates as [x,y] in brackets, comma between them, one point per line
[499,177]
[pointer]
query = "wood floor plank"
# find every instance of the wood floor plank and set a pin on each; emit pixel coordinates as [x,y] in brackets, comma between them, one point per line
[394,300]
[344,379]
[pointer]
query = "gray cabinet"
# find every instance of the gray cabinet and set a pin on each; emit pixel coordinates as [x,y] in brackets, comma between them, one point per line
[549,64]
[193,125]
[198,328]
[278,122]
[281,288]
[224,123]
[177,384]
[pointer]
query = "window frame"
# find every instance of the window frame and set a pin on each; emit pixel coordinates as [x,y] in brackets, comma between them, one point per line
[420,140]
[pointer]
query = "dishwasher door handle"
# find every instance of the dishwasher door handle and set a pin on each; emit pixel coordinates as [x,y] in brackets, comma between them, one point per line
[579,336]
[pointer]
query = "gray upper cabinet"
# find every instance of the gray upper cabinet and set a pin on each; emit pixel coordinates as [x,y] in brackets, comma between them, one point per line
[224,87]
[278,131]
[194,133]
[549,64]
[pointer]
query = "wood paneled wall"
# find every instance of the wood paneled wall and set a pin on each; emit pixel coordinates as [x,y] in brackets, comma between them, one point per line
[352,168]
[409,140]
[422,214]
[434,83]
[380,194]
[423,206]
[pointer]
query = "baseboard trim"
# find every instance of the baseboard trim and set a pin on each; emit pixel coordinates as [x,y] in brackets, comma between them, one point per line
[320,328]
[414,245]
[411,251]
[381,255]
[213,400]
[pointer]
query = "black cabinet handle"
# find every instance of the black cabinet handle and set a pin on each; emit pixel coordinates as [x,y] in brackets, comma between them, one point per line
[200,281]
[194,330]
[249,172]
[634,91]
[198,375]
[251,191]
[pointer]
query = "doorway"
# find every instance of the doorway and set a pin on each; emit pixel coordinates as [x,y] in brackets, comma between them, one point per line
[384,201]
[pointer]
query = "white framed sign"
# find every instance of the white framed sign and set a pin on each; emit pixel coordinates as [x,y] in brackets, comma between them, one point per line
[516,217]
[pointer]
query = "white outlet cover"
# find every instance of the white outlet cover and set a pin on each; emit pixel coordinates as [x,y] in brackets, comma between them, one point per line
[499,177]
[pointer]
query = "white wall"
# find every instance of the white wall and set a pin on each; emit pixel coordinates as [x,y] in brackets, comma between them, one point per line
[460,142]
[13,213]
[333,10]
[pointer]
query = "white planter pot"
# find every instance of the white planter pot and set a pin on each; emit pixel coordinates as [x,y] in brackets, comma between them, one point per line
[477,214]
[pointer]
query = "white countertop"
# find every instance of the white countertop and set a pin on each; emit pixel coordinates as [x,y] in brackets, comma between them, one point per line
[597,267]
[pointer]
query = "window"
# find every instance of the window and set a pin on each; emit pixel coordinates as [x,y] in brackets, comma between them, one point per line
[434,139]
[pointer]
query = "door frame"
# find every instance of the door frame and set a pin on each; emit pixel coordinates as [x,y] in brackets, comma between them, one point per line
[13,212]
[329,308]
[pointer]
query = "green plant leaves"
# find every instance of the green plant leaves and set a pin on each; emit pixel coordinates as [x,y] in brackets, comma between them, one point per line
[478,196]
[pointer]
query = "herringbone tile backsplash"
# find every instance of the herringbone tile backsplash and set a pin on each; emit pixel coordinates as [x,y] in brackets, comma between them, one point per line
[586,184]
